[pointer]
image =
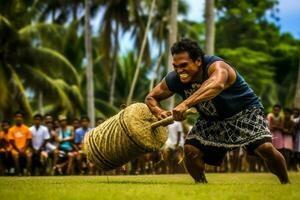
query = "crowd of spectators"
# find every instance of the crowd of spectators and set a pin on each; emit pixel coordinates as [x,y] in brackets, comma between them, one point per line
[53,146]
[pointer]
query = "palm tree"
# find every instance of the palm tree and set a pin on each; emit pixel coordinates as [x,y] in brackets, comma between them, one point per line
[89,68]
[28,69]
[209,27]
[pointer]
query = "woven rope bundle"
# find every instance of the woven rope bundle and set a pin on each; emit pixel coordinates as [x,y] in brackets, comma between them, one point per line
[124,137]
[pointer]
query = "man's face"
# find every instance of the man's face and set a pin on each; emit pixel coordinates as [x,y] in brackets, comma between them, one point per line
[76,124]
[276,111]
[5,126]
[37,121]
[19,119]
[85,123]
[63,123]
[187,69]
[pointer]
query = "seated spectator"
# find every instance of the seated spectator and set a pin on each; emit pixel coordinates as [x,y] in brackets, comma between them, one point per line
[5,148]
[64,136]
[20,138]
[79,135]
[40,137]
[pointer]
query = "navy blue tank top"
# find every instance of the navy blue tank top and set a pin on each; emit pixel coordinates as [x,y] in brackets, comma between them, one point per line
[237,97]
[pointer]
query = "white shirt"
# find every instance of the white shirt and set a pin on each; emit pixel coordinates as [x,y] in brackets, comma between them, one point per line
[173,130]
[39,136]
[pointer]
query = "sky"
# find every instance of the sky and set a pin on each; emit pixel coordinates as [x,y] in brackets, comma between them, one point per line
[289,14]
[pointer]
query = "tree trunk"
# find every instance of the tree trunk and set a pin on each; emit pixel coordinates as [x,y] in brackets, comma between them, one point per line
[172,40]
[40,102]
[89,68]
[209,27]
[297,93]
[137,70]
[114,67]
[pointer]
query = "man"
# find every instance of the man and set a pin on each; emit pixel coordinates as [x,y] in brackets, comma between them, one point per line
[64,136]
[20,138]
[231,115]
[5,147]
[40,137]
[79,135]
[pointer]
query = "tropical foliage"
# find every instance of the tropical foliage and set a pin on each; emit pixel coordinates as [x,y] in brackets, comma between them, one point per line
[43,64]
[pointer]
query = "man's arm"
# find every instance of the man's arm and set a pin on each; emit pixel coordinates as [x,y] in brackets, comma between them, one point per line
[13,144]
[157,94]
[221,76]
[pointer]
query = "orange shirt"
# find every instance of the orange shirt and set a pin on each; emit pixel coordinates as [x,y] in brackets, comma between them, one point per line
[19,135]
[7,146]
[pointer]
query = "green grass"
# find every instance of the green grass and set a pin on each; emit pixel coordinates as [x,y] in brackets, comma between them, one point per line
[221,186]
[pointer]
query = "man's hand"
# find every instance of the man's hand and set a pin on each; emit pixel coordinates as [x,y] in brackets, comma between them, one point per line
[178,112]
[162,114]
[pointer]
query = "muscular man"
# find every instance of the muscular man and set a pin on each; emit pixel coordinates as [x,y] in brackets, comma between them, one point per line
[231,115]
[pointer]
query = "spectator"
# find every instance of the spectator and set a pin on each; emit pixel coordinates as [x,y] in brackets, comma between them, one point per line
[64,137]
[275,125]
[173,150]
[288,133]
[20,138]
[40,137]
[51,145]
[296,153]
[5,147]
[76,124]
[79,135]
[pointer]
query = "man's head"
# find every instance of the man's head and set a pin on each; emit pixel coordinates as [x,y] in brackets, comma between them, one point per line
[296,112]
[76,123]
[4,125]
[288,113]
[276,109]
[62,120]
[85,121]
[99,121]
[187,60]
[48,118]
[37,119]
[18,118]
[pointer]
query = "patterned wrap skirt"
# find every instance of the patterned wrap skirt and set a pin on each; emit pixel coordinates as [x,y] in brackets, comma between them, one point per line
[238,130]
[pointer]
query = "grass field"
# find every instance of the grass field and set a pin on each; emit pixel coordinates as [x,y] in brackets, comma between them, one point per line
[221,186]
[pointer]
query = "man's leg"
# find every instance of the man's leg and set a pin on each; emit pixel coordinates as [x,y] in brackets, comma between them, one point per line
[16,160]
[274,160]
[194,163]
[28,155]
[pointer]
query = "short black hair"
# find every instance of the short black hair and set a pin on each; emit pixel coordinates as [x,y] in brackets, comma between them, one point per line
[19,113]
[38,116]
[190,46]
[85,118]
[277,106]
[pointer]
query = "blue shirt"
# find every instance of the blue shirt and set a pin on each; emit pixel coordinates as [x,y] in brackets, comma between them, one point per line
[79,134]
[67,145]
[230,101]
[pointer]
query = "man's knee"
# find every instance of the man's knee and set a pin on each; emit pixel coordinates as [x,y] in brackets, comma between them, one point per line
[266,149]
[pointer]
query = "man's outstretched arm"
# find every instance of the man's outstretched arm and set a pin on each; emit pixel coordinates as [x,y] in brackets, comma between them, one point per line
[157,94]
